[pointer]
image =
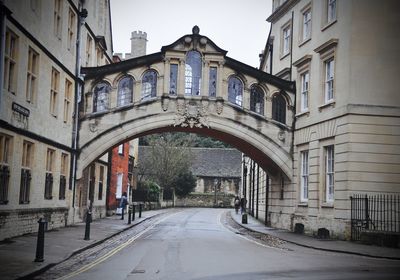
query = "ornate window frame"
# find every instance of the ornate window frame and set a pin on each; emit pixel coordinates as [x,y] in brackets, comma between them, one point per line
[235,90]
[149,84]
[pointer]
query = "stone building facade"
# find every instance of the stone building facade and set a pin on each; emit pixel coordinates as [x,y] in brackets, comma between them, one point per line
[216,170]
[40,87]
[343,56]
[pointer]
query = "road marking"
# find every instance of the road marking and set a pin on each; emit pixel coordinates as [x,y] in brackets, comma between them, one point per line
[113,251]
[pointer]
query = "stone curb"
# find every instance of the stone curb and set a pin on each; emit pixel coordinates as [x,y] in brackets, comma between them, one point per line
[317,248]
[35,273]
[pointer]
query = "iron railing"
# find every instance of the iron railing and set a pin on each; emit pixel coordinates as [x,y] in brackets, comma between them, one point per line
[374,212]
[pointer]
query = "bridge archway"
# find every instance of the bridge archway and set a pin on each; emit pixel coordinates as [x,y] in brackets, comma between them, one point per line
[167,102]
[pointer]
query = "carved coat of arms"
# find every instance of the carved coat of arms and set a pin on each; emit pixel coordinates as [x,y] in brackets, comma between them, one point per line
[191,115]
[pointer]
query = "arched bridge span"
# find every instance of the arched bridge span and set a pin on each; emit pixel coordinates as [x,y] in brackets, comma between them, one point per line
[191,86]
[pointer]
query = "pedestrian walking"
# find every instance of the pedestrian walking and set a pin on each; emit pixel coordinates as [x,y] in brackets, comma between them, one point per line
[123,203]
[243,203]
[237,204]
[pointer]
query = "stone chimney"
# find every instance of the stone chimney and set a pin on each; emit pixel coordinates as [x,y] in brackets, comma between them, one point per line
[138,44]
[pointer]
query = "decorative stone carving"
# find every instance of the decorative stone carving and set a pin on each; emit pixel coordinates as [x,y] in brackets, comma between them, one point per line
[219,107]
[189,114]
[93,127]
[281,135]
[164,103]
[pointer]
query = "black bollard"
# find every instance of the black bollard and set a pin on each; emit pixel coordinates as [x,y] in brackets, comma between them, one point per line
[87,227]
[140,210]
[133,212]
[129,214]
[40,241]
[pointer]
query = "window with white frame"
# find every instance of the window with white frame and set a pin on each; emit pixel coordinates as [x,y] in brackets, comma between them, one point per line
[173,79]
[89,42]
[121,149]
[57,18]
[67,101]
[26,169]
[235,90]
[149,85]
[101,97]
[305,83]
[286,37]
[306,25]
[304,176]
[10,61]
[193,69]
[54,91]
[118,193]
[5,158]
[63,176]
[48,187]
[329,173]
[31,76]
[71,29]
[125,91]
[331,11]
[329,78]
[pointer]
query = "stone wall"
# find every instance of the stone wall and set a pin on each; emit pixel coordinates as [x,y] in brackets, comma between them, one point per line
[205,200]
[23,221]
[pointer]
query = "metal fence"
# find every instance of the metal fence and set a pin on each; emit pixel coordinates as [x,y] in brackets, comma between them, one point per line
[375,212]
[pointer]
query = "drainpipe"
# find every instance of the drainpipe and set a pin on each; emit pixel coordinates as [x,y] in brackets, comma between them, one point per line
[2,45]
[291,47]
[78,89]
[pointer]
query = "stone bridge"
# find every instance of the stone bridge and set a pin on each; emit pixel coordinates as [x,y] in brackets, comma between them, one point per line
[190,86]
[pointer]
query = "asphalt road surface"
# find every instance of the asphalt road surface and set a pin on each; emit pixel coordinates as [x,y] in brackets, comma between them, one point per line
[201,244]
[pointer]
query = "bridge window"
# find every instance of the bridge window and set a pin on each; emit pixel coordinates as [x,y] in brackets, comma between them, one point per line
[101,97]
[193,70]
[212,84]
[257,100]
[279,108]
[173,79]
[125,91]
[235,91]
[149,85]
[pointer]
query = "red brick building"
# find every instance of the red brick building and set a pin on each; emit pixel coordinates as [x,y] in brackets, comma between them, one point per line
[119,176]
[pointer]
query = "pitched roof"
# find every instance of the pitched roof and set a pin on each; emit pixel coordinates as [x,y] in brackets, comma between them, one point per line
[216,162]
[210,162]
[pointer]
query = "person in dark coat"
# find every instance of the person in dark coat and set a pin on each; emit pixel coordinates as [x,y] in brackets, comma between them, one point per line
[243,203]
[237,204]
[123,203]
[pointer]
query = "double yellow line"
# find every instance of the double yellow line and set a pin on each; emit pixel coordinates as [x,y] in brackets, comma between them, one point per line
[113,251]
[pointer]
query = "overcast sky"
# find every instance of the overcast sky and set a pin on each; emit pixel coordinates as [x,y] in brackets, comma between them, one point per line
[237,26]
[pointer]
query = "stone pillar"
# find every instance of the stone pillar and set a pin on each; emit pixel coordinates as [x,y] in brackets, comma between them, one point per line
[181,78]
[204,81]
[220,86]
[167,71]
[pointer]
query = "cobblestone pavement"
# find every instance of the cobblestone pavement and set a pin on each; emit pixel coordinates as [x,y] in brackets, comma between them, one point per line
[95,255]
[261,238]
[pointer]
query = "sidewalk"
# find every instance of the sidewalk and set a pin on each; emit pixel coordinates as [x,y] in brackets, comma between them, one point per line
[314,243]
[16,256]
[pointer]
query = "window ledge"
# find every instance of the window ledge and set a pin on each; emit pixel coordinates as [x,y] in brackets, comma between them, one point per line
[327,205]
[305,113]
[284,55]
[328,24]
[304,42]
[303,204]
[329,104]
